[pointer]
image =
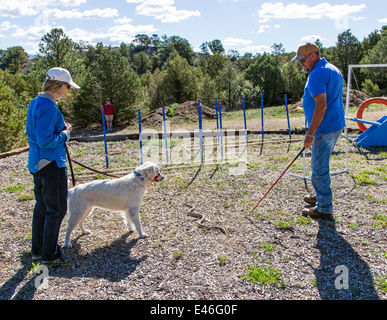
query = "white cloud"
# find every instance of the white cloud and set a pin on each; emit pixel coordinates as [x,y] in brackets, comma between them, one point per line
[87,14]
[6,25]
[383,20]
[312,38]
[163,10]
[126,33]
[243,46]
[114,35]
[278,10]
[33,32]
[235,42]
[262,28]
[256,49]
[123,20]
[13,9]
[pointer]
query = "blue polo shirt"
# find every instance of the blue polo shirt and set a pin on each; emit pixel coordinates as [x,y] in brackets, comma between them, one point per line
[45,133]
[325,78]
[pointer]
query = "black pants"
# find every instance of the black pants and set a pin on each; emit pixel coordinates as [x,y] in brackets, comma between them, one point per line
[51,191]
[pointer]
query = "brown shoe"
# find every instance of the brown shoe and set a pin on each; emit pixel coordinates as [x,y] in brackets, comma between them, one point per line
[310,200]
[313,213]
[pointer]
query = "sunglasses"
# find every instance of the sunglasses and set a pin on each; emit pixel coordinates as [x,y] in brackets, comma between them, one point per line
[302,61]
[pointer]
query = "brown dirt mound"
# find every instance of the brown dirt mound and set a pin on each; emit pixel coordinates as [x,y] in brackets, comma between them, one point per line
[187,111]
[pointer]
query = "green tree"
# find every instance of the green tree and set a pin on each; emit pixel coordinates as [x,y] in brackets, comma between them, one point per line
[109,77]
[294,81]
[266,78]
[230,82]
[208,91]
[141,62]
[370,89]
[124,50]
[378,55]
[371,41]
[58,50]
[176,83]
[181,79]
[214,64]
[174,44]
[278,50]
[348,51]
[12,118]
[13,59]
[216,47]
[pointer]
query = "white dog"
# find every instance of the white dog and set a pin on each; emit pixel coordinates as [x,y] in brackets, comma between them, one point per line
[122,195]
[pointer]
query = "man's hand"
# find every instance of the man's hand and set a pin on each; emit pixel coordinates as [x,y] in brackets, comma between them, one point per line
[308,142]
[68,127]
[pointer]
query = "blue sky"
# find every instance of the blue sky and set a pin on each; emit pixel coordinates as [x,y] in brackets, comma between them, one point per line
[242,25]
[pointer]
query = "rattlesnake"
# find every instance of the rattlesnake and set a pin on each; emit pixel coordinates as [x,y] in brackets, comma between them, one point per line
[203,219]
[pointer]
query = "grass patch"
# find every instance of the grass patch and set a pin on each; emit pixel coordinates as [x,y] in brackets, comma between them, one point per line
[222,259]
[382,284]
[265,276]
[25,198]
[380,221]
[178,254]
[18,188]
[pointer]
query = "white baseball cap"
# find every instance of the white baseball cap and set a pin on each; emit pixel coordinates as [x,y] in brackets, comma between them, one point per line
[60,74]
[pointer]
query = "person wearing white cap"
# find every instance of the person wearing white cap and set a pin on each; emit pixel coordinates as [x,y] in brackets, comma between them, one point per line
[324,111]
[47,133]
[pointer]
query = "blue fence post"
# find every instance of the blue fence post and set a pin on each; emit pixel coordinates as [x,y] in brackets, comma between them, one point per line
[200,130]
[287,114]
[244,114]
[104,135]
[221,128]
[140,134]
[217,119]
[165,135]
[263,131]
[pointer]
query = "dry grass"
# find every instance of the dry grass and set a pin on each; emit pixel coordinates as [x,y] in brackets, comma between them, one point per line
[181,261]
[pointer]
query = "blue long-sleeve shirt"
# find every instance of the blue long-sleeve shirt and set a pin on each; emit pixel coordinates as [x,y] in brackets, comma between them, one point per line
[45,132]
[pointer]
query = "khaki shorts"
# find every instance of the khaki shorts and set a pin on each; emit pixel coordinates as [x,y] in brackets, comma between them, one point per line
[109,117]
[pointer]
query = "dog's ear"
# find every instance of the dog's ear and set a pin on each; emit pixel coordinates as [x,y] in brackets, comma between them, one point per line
[154,172]
[148,170]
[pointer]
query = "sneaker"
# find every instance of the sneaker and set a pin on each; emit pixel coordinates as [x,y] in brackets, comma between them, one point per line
[310,200]
[313,213]
[55,263]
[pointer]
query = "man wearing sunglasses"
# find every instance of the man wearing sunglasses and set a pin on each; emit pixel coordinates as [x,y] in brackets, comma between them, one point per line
[324,111]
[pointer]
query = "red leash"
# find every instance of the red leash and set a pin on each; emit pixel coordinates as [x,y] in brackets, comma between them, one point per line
[71,165]
[278,179]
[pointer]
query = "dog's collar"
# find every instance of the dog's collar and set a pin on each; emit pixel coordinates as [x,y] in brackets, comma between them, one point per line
[136,173]
[156,177]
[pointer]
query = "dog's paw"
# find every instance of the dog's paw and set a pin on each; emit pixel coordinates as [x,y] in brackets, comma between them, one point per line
[143,236]
[86,232]
[67,245]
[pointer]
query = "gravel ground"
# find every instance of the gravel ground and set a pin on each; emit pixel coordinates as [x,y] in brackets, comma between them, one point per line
[273,253]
